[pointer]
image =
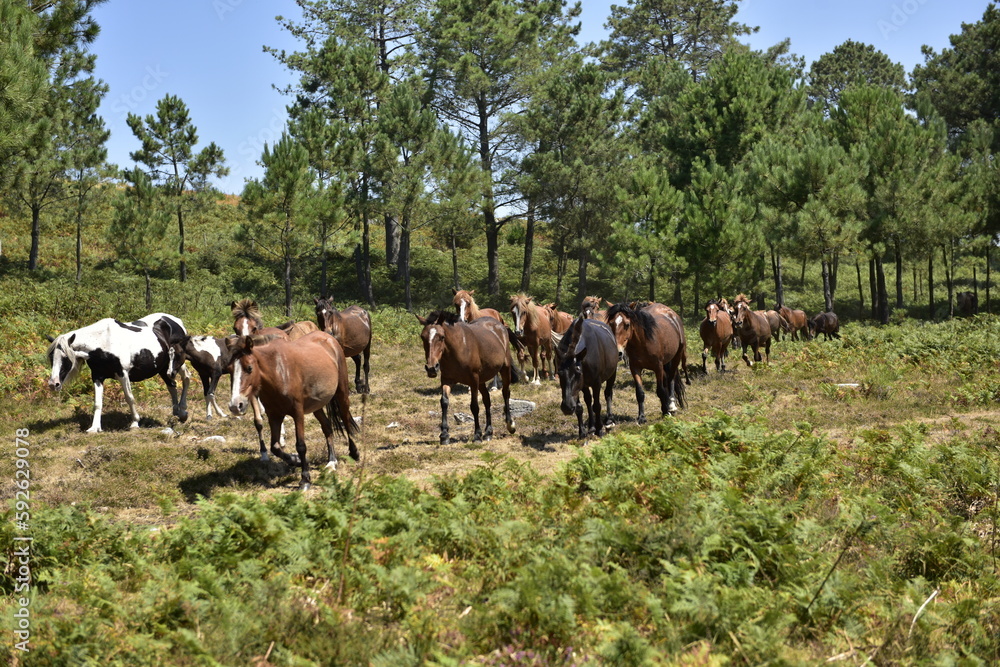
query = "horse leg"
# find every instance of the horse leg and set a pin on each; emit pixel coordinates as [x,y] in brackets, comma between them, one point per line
[95,426]
[593,398]
[504,375]
[344,408]
[704,361]
[665,388]
[534,365]
[327,428]
[130,399]
[767,351]
[746,358]
[300,449]
[485,391]
[445,395]
[258,423]
[208,389]
[276,424]
[357,374]
[211,395]
[640,396]
[609,392]
[366,355]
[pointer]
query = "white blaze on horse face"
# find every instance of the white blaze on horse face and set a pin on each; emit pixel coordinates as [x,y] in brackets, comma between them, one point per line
[237,401]
[461,310]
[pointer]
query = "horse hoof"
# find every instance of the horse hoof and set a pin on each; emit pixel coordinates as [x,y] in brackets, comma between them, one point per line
[93,429]
[510,427]
[445,441]
[133,425]
[304,486]
[264,457]
[641,420]
[330,465]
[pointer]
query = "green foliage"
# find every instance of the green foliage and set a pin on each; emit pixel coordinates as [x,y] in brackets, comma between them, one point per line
[852,64]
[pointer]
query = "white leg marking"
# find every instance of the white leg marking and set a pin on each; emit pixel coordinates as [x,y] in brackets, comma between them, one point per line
[95,427]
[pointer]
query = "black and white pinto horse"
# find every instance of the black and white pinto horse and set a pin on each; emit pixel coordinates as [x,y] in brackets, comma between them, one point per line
[210,357]
[127,352]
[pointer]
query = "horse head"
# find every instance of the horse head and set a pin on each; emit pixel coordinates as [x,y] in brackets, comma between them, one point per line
[327,315]
[65,361]
[712,312]
[520,306]
[464,303]
[569,356]
[433,337]
[619,318]
[245,372]
[589,306]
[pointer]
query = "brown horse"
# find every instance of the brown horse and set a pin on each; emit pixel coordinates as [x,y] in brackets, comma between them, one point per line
[717,333]
[467,309]
[797,320]
[753,330]
[777,324]
[591,307]
[471,354]
[559,320]
[293,379]
[652,342]
[352,327]
[247,322]
[531,325]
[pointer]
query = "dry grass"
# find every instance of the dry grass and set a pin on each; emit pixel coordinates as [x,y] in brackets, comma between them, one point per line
[147,476]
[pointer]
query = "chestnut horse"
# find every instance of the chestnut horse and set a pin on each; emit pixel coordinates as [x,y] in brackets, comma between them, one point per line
[717,333]
[293,379]
[471,354]
[587,356]
[652,341]
[777,324]
[797,321]
[532,327]
[467,309]
[559,320]
[753,330]
[352,327]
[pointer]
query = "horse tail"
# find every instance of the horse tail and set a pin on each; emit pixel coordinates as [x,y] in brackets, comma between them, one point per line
[515,343]
[679,391]
[342,424]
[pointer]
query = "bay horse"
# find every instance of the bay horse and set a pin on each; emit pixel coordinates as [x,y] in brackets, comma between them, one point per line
[247,322]
[294,378]
[587,356]
[352,327]
[651,340]
[591,307]
[753,330]
[797,321]
[127,352]
[559,320]
[717,333]
[827,324]
[467,309]
[472,354]
[532,327]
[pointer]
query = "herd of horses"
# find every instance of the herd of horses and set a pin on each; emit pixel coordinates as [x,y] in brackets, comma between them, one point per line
[300,368]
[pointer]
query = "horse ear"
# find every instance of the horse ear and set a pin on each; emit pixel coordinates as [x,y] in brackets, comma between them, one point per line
[610,305]
[72,338]
[50,338]
[422,320]
[316,300]
[248,343]
[471,292]
[454,290]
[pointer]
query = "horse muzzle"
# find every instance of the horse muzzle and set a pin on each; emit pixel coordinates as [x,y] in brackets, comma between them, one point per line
[518,332]
[568,408]
[432,371]
[55,385]
[238,405]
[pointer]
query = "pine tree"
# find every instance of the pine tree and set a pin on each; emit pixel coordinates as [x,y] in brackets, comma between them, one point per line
[852,64]
[138,228]
[168,141]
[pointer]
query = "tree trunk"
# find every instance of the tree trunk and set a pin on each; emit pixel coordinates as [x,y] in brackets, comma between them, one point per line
[802,278]
[392,246]
[560,269]
[652,278]
[454,259]
[79,243]
[873,285]
[149,290]
[916,284]
[529,248]
[288,285]
[861,292]
[404,262]
[760,275]
[180,228]
[930,285]
[678,301]
[827,297]
[581,271]
[948,271]
[899,275]
[988,246]
[36,236]
[779,285]
[834,272]
[975,287]
[323,261]
[883,296]
[697,291]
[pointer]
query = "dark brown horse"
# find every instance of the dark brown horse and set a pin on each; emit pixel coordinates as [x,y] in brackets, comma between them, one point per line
[587,357]
[293,379]
[717,333]
[471,354]
[467,309]
[652,342]
[559,320]
[591,307]
[827,324]
[352,327]
[753,330]
[532,327]
[797,321]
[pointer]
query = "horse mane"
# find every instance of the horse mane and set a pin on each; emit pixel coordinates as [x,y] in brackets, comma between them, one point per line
[531,309]
[741,297]
[247,308]
[74,370]
[638,318]
[442,317]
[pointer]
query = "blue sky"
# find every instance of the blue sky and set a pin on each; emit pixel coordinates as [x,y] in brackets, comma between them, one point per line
[210,54]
